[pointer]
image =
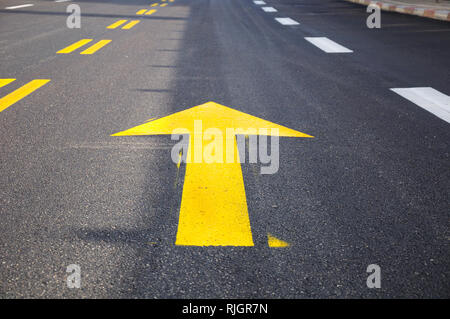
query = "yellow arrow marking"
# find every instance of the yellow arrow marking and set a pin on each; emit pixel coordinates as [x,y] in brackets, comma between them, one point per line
[213,209]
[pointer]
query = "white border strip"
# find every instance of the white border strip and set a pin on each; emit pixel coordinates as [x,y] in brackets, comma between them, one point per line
[21,6]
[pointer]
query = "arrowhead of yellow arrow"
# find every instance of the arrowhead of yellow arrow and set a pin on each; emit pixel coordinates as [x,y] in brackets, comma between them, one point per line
[212,115]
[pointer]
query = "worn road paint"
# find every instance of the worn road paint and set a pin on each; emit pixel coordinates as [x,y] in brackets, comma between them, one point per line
[272,241]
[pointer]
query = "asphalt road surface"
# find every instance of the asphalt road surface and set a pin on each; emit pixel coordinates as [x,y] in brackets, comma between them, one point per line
[371,187]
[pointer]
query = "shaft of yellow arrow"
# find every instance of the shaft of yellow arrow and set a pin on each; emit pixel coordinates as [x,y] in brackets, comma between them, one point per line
[213,208]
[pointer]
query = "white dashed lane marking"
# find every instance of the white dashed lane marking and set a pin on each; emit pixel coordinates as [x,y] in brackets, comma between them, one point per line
[287,21]
[260,3]
[269,9]
[328,45]
[429,99]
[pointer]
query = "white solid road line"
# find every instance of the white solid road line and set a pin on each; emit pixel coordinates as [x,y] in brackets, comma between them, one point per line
[62,0]
[259,2]
[269,9]
[328,45]
[429,99]
[21,6]
[287,21]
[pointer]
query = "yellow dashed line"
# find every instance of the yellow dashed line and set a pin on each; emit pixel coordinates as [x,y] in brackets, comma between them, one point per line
[74,46]
[116,24]
[94,48]
[20,93]
[149,12]
[4,82]
[130,24]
